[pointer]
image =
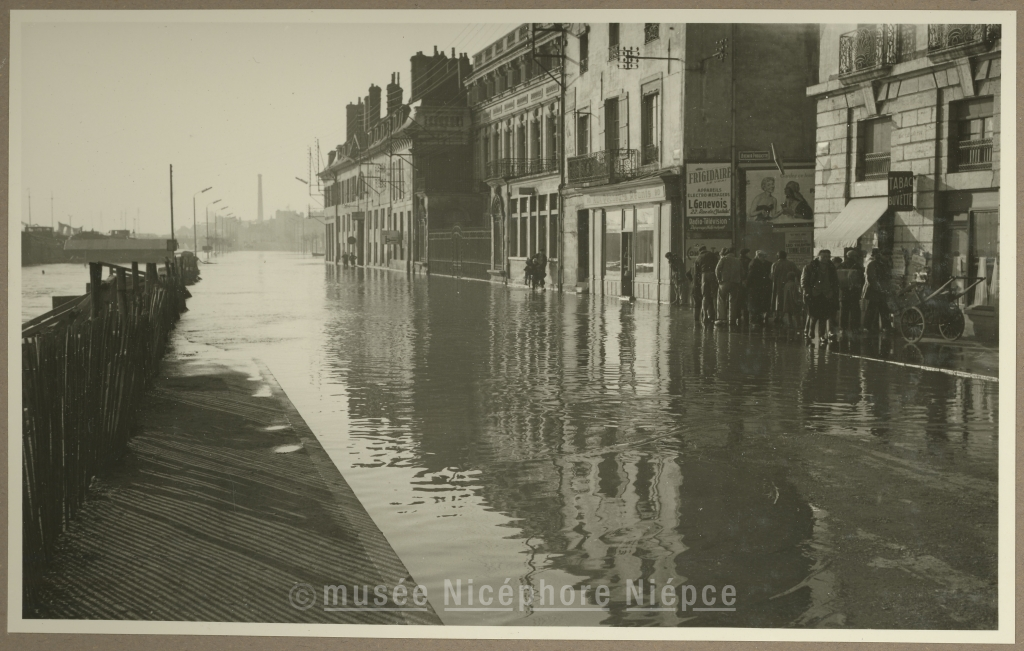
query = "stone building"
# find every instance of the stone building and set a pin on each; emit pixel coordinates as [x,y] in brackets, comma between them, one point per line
[666,126]
[921,100]
[514,93]
[405,174]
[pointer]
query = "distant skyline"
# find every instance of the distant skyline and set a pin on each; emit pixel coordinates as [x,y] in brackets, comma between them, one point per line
[106,107]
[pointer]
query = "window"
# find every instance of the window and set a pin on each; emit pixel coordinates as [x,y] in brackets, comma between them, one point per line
[522,236]
[584,51]
[613,242]
[971,135]
[650,117]
[876,143]
[651,32]
[582,134]
[542,235]
[611,124]
[613,42]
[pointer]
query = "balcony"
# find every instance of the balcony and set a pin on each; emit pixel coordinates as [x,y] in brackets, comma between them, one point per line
[867,53]
[609,166]
[876,166]
[946,42]
[973,155]
[513,168]
[651,32]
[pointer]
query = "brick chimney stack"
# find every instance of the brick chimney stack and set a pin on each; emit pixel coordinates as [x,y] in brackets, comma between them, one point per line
[438,79]
[394,94]
[353,119]
[372,107]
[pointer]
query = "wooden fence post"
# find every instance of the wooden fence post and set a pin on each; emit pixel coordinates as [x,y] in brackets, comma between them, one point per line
[95,289]
[151,277]
[122,293]
[135,279]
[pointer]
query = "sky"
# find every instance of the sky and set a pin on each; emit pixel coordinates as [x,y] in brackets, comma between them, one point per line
[107,107]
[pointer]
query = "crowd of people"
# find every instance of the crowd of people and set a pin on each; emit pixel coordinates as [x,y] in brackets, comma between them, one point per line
[730,288]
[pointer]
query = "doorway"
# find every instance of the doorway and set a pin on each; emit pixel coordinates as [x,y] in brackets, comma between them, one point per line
[627,264]
[583,246]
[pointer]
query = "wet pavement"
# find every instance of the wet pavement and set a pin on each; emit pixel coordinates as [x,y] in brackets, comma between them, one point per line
[534,439]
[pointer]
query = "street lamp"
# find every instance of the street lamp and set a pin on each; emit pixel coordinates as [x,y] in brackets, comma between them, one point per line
[208,227]
[195,237]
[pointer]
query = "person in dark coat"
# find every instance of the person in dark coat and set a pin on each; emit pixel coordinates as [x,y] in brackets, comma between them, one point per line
[851,287]
[878,279]
[540,269]
[675,265]
[759,288]
[780,275]
[708,262]
[696,297]
[820,286]
[744,270]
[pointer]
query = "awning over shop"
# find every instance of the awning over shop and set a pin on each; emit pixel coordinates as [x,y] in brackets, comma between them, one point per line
[855,219]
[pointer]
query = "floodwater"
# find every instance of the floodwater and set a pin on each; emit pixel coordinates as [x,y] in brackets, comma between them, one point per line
[41,282]
[533,439]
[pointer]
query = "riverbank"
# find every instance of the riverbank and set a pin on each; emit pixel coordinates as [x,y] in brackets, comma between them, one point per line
[225,508]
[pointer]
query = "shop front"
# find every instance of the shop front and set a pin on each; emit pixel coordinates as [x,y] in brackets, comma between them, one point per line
[625,235]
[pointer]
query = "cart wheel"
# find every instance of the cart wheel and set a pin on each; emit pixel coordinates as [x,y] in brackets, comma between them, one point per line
[952,327]
[912,324]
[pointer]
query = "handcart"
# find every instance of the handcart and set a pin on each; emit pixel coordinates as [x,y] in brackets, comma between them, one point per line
[916,310]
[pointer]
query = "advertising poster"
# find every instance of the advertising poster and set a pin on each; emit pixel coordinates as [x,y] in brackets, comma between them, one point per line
[708,186]
[782,200]
[800,245]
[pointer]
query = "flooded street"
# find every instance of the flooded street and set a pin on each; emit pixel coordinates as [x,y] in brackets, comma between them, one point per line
[547,439]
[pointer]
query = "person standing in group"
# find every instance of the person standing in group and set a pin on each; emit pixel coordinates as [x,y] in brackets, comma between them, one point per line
[696,297]
[833,319]
[744,270]
[707,262]
[820,285]
[792,307]
[878,277]
[540,269]
[729,273]
[851,287]
[781,269]
[759,288]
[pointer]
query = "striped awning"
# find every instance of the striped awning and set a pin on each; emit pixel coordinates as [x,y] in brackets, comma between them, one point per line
[855,219]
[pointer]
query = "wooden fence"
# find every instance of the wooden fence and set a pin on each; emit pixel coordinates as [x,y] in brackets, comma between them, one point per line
[85,369]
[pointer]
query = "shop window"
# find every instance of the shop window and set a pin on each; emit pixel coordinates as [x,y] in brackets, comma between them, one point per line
[971,135]
[875,146]
[613,243]
[522,236]
[650,117]
[644,247]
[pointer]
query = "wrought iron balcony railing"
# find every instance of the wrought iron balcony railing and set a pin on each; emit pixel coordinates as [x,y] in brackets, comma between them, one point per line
[511,168]
[609,166]
[973,155]
[651,32]
[946,38]
[866,50]
[876,165]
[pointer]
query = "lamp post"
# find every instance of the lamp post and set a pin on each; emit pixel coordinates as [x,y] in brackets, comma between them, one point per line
[195,236]
[216,230]
[208,227]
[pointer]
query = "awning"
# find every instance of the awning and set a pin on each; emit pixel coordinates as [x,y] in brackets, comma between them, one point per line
[855,219]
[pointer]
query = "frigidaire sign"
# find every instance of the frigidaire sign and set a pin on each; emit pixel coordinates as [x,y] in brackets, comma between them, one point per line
[901,190]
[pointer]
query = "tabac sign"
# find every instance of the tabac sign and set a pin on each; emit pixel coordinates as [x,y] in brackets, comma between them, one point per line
[901,190]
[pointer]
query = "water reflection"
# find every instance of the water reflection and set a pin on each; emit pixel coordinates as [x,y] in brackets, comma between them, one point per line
[501,434]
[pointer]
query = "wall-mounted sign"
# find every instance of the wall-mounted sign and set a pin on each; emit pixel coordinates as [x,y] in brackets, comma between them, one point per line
[626,198]
[800,245]
[527,190]
[708,189]
[755,156]
[392,237]
[782,200]
[901,190]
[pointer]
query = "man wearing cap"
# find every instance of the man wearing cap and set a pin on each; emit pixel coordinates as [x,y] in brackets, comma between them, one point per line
[730,280]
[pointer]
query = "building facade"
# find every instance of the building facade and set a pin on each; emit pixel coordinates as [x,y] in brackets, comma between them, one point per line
[907,149]
[515,94]
[402,177]
[673,132]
